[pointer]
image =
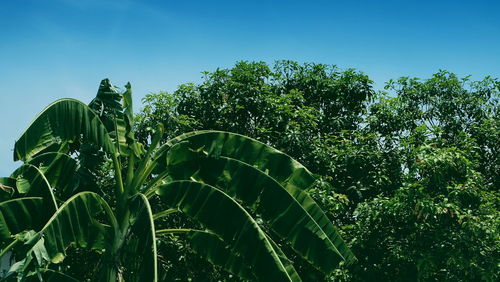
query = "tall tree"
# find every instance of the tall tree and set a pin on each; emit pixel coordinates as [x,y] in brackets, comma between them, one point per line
[410,175]
[237,190]
[442,223]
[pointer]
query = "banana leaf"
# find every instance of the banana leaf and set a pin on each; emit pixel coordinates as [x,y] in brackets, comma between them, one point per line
[230,221]
[65,120]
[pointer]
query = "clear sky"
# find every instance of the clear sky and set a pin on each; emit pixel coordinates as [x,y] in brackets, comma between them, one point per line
[62,48]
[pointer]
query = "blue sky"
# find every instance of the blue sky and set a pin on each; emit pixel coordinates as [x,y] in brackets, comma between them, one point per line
[63,48]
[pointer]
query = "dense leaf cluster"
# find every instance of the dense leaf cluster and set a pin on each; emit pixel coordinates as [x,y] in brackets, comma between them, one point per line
[411,173]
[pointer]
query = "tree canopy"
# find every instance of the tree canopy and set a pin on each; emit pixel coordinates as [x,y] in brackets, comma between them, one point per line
[411,173]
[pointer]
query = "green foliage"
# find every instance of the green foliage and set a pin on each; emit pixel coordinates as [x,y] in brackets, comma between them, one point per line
[88,189]
[443,221]
[411,175]
[299,109]
[289,107]
[438,226]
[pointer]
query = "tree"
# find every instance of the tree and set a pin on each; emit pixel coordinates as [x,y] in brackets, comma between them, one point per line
[442,223]
[304,110]
[88,187]
[409,175]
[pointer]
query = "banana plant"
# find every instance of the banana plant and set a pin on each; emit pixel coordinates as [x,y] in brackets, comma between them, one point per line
[248,198]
